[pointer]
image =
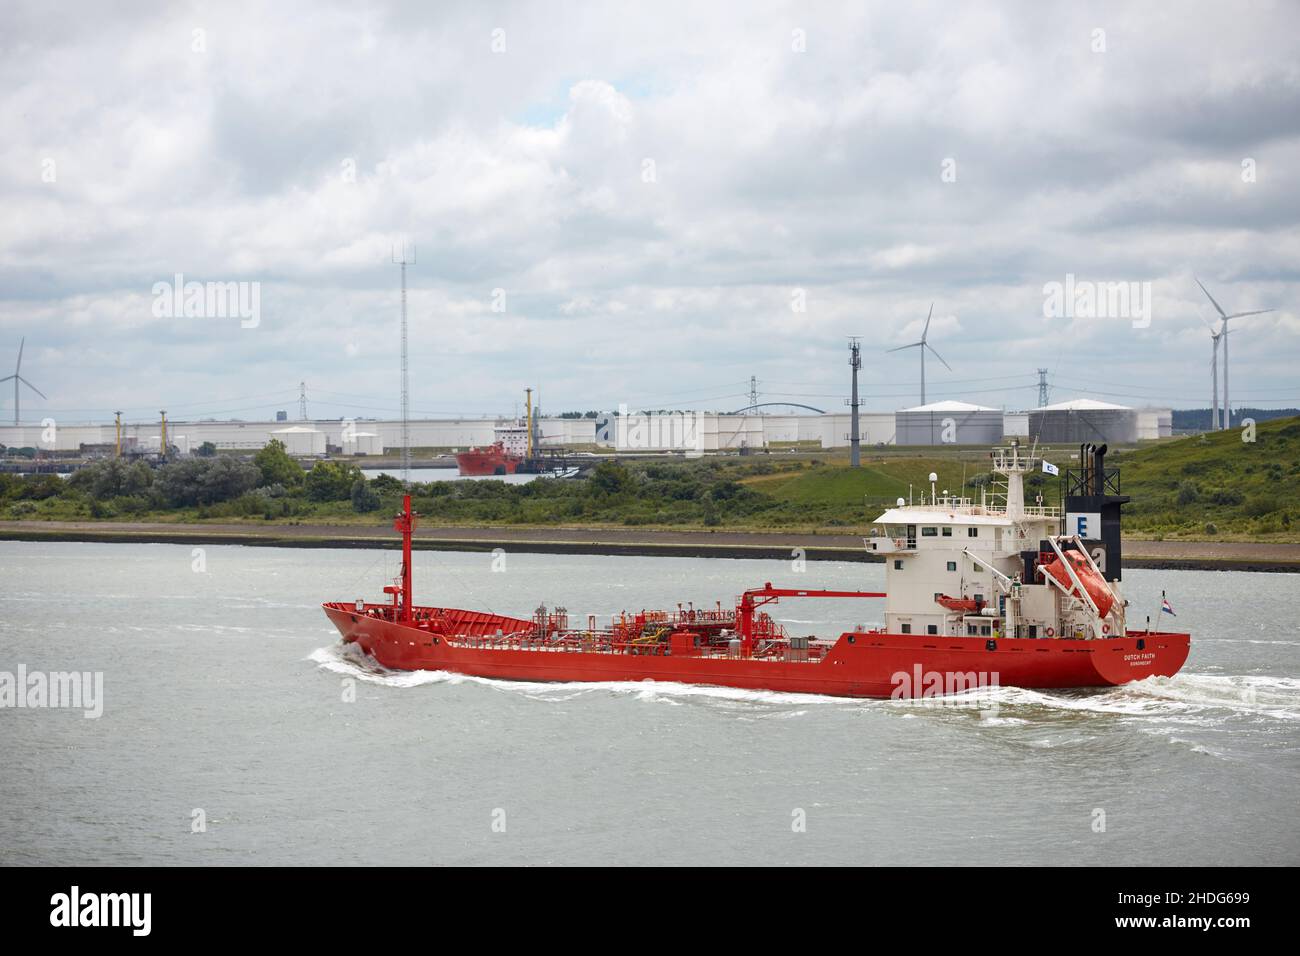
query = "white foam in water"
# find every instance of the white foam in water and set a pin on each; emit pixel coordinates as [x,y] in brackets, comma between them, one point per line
[1185,696]
[350,660]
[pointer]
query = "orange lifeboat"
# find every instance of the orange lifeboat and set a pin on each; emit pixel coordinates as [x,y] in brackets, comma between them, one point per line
[969,605]
[1093,583]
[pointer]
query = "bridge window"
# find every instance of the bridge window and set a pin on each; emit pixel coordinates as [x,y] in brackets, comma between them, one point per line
[972,532]
[947,531]
[898,565]
[929,532]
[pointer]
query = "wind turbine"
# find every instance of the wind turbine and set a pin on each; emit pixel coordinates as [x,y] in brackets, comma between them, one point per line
[1215,423]
[923,345]
[18,379]
[1223,331]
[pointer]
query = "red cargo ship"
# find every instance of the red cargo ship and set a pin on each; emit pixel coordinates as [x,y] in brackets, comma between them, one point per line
[1031,606]
[493,460]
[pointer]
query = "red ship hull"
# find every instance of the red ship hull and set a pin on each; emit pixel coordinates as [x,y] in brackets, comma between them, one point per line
[858,664]
[484,462]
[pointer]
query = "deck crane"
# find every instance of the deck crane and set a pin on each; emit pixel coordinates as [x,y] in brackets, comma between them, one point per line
[758,597]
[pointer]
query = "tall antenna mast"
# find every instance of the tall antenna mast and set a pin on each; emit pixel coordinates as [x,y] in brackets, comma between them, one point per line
[302,400]
[528,404]
[118,443]
[1042,388]
[403,261]
[855,435]
[753,391]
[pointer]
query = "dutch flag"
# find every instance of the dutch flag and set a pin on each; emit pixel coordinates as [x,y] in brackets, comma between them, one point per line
[1165,606]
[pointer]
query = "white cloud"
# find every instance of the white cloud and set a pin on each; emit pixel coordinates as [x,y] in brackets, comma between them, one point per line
[526,171]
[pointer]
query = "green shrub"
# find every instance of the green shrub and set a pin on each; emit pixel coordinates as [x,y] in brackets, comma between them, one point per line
[1261,505]
[204,481]
[364,498]
[277,467]
[332,481]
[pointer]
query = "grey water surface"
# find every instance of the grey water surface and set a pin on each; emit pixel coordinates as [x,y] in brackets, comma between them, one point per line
[225,702]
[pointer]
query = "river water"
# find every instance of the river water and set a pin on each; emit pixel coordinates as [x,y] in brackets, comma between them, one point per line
[227,735]
[445,474]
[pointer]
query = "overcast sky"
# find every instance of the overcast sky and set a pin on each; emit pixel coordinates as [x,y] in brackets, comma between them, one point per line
[651,185]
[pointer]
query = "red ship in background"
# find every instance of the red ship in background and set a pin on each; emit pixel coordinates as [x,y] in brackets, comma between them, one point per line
[1035,603]
[511,452]
[492,460]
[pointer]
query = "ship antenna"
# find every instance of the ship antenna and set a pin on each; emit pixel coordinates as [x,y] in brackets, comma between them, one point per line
[403,261]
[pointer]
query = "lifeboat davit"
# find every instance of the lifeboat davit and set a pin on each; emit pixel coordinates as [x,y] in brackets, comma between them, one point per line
[1098,590]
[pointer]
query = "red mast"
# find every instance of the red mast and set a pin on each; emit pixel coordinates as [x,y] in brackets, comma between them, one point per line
[404,523]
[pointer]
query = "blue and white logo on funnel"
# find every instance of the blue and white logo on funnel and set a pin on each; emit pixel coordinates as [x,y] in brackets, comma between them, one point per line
[1084,524]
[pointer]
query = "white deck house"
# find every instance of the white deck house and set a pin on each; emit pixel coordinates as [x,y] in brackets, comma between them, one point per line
[954,566]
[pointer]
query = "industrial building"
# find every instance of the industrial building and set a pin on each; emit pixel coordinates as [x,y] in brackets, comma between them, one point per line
[711,432]
[948,423]
[1153,423]
[304,437]
[688,432]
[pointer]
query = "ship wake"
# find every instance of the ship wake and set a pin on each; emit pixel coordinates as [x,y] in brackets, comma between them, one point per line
[1187,696]
[351,661]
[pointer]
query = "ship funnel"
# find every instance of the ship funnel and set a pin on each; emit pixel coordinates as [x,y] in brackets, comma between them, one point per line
[1099,470]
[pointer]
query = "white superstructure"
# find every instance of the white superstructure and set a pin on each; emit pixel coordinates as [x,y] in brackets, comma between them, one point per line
[513,438]
[956,566]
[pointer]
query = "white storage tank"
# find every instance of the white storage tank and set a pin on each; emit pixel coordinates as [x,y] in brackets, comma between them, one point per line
[301,440]
[361,443]
[1083,420]
[948,423]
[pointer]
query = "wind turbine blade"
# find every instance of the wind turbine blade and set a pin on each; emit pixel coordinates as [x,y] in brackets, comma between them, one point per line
[938,356]
[901,347]
[926,331]
[31,386]
[19,367]
[1216,305]
[7,378]
[1242,315]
